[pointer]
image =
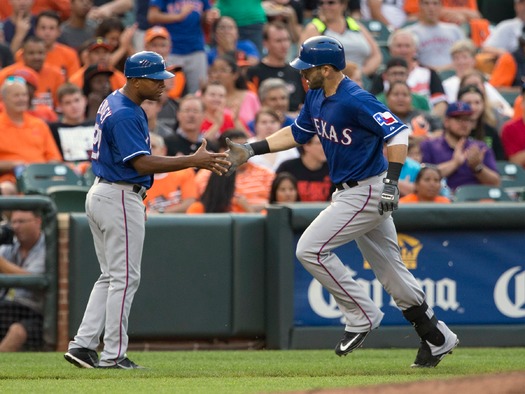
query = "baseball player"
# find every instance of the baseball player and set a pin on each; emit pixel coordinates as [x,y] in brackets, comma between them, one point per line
[123,165]
[352,127]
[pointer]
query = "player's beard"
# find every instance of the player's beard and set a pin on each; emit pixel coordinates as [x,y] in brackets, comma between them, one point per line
[316,81]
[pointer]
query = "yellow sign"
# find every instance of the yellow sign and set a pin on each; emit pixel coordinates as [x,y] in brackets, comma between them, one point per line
[409,247]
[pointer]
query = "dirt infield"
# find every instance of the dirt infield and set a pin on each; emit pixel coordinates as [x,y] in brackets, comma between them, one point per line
[508,383]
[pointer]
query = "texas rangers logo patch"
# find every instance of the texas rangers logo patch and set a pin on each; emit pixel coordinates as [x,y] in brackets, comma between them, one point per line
[384,118]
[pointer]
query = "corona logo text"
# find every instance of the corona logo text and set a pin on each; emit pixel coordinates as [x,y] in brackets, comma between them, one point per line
[441,293]
[511,305]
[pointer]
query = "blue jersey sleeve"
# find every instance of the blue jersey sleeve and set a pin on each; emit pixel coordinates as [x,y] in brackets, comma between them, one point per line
[130,136]
[302,128]
[377,117]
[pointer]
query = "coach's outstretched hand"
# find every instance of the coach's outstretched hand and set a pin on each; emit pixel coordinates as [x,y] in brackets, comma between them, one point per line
[238,154]
[389,197]
[216,162]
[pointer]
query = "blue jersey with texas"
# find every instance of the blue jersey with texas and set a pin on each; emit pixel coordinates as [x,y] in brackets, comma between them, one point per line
[352,126]
[121,133]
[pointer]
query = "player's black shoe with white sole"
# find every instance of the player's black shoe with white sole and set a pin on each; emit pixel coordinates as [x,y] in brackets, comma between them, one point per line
[425,359]
[350,342]
[82,357]
[125,363]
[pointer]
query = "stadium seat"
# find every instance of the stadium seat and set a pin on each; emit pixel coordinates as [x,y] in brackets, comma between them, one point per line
[444,74]
[69,198]
[89,177]
[36,178]
[510,94]
[480,193]
[512,179]
[378,30]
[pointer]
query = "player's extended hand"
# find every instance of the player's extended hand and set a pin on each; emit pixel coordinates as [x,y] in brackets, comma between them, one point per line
[238,154]
[215,162]
[389,197]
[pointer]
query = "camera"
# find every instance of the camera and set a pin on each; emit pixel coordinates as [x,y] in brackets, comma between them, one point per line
[6,234]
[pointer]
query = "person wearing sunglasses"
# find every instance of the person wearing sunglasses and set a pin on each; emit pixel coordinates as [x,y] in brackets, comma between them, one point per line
[25,139]
[360,47]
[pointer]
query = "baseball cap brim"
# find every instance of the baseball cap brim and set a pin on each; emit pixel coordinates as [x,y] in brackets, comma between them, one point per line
[300,65]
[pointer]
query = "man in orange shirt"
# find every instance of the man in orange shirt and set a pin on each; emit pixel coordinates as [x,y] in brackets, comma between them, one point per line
[62,7]
[41,111]
[172,192]
[49,77]
[453,11]
[99,51]
[47,27]
[24,139]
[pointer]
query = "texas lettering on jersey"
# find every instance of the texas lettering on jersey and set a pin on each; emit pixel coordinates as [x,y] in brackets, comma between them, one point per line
[327,131]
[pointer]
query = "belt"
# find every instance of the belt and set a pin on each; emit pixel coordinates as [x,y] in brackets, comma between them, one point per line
[140,190]
[346,185]
[363,182]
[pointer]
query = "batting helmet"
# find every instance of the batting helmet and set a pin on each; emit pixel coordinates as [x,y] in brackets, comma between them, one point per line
[318,51]
[146,64]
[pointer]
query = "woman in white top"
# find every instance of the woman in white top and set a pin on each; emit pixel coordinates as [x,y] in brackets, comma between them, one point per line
[360,47]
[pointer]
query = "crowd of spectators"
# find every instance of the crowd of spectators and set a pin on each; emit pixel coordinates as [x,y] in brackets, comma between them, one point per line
[59,59]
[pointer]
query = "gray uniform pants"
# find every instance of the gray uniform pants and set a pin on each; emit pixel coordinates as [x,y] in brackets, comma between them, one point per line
[353,215]
[117,222]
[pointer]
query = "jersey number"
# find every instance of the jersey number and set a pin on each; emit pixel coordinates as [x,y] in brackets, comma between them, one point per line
[96,142]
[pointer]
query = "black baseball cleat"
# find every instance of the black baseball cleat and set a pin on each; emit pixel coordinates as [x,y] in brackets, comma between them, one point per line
[425,359]
[350,342]
[125,363]
[82,357]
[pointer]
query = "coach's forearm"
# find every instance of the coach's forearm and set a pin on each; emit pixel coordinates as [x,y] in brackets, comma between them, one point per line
[149,164]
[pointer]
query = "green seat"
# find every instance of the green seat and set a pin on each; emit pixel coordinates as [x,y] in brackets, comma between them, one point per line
[69,198]
[444,74]
[378,30]
[480,193]
[36,178]
[512,178]
[89,177]
[509,94]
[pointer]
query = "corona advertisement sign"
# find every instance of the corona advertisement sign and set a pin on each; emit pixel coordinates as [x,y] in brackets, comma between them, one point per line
[470,277]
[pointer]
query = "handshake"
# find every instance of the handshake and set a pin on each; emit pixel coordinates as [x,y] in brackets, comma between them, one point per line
[238,154]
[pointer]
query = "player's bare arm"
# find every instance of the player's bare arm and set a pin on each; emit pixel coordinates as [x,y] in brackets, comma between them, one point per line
[202,158]
[396,152]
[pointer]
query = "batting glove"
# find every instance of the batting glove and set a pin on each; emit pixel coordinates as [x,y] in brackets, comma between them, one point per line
[389,196]
[238,154]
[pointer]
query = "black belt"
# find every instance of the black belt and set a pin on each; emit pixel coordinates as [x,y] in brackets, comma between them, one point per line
[140,190]
[346,185]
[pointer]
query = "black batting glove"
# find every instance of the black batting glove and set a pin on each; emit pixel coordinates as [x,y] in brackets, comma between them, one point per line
[389,196]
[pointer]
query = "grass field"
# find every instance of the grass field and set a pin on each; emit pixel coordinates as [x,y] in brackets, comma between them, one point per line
[258,371]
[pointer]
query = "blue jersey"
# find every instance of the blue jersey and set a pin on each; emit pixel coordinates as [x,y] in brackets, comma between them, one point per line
[352,126]
[121,133]
[187,35]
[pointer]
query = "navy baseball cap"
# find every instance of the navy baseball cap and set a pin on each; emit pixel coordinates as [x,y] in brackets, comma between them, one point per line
[459,108]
